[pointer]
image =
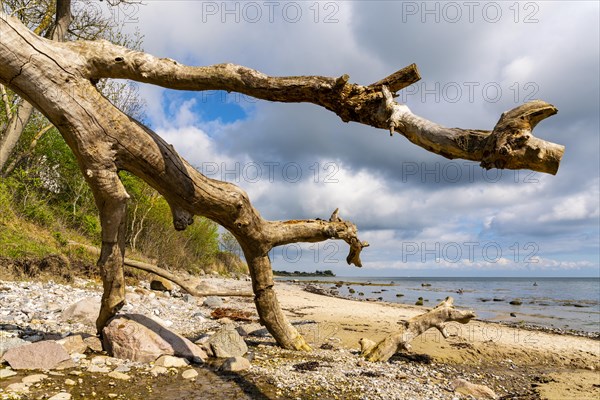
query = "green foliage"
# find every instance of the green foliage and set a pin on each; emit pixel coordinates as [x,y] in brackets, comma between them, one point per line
[43,188]
[150,230]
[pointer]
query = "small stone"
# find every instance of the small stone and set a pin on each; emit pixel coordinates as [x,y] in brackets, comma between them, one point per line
[34,378]
[61,396]
[6,373]
[235,364]
[85,311]
[188,298]
[161,284]
[73,344]
[158,370]
[113,395]
[512,314]
[227,342]
[213,302]
[122,368]
[470,389]
[93,343]
[119,375]
[18,387]
[99,360]
[189,374]
[9,343]
[97,369]
[516,302]
[75,373]
[70,382]
[171,362]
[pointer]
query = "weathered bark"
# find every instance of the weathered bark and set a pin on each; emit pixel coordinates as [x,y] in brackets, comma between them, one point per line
[442,313]
[57,78]
[165,274]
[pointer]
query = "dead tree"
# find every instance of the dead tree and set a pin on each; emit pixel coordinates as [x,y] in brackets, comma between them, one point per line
[416,326]
[58,78]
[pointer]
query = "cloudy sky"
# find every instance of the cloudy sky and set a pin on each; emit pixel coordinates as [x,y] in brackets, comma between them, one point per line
[423,215]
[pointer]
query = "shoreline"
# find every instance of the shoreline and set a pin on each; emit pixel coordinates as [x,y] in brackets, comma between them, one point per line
[517,325]
[511,361]
[529,321]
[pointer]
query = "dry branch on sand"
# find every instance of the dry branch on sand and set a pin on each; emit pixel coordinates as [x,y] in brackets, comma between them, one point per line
[397,341]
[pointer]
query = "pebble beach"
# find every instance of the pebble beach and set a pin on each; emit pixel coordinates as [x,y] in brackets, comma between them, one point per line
[509,361]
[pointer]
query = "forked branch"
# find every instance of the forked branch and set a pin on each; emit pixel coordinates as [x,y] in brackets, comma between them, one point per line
[436,318]
[509,145]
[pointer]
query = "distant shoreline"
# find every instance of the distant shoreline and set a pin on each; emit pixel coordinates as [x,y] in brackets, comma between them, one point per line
[551,306]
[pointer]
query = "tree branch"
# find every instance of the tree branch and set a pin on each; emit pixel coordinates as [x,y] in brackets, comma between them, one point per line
[284,232]
[165,274]
[371,105]
[6,102]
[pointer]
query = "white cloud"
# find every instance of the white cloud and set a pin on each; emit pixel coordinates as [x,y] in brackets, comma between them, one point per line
[555,59]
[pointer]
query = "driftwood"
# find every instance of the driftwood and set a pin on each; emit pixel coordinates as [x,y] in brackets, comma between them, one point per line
[59,80]
[435,318]
[164,274]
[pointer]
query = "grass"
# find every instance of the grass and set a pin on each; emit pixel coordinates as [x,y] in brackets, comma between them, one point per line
[25,239]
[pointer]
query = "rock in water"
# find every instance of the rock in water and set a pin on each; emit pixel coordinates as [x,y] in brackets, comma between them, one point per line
[41,355]
[85,311]
[227,342]
[470,389]
[138,338]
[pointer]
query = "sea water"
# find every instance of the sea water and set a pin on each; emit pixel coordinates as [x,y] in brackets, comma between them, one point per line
[566,303]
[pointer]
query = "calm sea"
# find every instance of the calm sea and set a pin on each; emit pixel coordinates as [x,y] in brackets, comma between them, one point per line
[569,303]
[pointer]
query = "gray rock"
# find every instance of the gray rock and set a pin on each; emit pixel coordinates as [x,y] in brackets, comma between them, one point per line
[85,311]
[213,302]
[235,364]
[188,298]
[6,373]
[9,343]
[189,374]
[227,342]
[41,355]
[138,338]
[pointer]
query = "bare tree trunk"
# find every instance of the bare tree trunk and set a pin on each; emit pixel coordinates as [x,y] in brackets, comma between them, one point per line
[57,79]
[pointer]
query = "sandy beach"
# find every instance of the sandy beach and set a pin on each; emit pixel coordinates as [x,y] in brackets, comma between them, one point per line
[570,363]
[514,363]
